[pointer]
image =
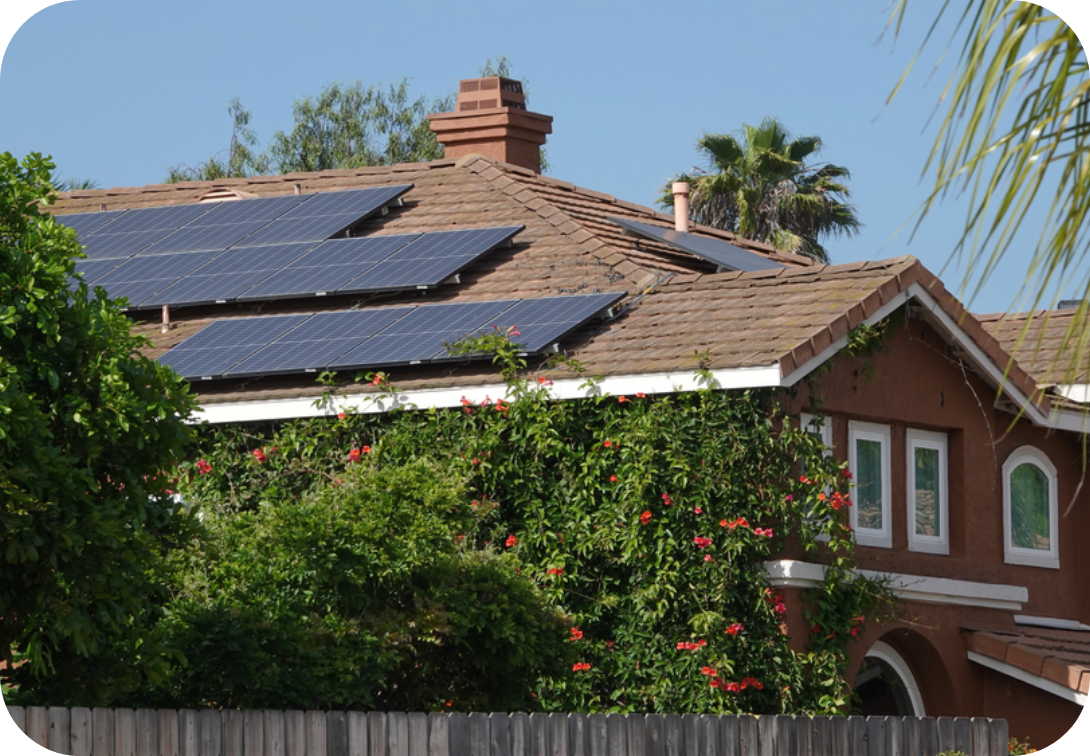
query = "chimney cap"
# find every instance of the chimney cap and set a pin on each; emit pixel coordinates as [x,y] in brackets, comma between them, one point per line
[490,92]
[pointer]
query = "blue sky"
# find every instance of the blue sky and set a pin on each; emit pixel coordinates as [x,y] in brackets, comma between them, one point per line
[118,90]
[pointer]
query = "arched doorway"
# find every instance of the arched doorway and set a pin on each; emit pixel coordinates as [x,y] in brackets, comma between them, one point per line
[885,685]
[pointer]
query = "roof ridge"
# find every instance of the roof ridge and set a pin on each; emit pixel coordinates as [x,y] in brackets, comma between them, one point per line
[493,171]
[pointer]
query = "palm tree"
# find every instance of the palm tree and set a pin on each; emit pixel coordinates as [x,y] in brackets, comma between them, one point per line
[762,188]
[1016,134]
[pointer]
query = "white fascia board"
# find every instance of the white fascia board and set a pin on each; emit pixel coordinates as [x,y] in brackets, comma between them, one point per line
[568,388]
[929,590]
[1076,392]
[1035,680]
[1049,622]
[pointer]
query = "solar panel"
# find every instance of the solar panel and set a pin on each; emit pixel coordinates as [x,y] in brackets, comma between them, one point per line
[85,224]
[113,246]
[541,322]
[225,277]
[431,259]
[225,224]
[157,218]
[327,267]
[92,270]
[214,350]
[317,342]
[723,254]
[138,278]
[422,333]
[325,215]
[373,337]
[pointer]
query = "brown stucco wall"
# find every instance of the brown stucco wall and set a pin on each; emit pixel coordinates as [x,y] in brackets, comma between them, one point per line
[919,382]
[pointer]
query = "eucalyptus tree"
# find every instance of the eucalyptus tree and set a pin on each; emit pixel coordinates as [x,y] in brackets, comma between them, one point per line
[761,186]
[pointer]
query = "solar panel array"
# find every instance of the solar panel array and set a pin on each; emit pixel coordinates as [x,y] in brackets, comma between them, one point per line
[723,254]
[375,337]
[182,238]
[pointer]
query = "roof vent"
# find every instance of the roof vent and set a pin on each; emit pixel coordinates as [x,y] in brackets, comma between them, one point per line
[222,194]
[1069,304]
[491,119]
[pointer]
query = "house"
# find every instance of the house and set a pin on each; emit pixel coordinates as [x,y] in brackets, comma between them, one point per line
[969,460]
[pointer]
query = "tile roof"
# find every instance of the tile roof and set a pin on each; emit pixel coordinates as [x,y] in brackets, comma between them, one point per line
[1039,342]
[677,306]
[1062,656]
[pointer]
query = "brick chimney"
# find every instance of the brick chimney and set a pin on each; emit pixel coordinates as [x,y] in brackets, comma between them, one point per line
[491,119]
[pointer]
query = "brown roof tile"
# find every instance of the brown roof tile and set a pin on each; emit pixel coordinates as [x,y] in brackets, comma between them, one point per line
[1062,656]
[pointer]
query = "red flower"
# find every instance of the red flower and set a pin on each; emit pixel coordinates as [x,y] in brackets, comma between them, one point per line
[259,455]
[742,522]
[701,642]
[702,542]
[580,666]
[641,395]
[203,466]
[752,682]
[709,671]
[612,478]
[645,517]
[698,510]
[846,473]
[732,687]
[821,496]
[608,444]
[666,499]
[576,634]
[340,416]
[354,455]
[815,629]
[723,523]
[735,628]
[476,461]
[690,646]
[781,608]
[554,571]
[708,558]
[511,541]
[855,631]
[622,399]
[789,497]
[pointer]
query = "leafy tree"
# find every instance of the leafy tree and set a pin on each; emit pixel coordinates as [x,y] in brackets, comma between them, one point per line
[761,188]
[241,159]
[73,184]
[87,428]
[362,594]
[1017,131]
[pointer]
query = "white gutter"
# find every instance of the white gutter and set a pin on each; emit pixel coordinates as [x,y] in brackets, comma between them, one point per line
[792,573]
[1037,681]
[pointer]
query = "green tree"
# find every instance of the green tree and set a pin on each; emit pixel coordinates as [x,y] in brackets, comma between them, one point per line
[89,429]
[761,187]
[1016,133]
[364,593]
[241,160]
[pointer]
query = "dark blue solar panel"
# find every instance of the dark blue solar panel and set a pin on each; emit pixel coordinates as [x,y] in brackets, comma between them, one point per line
[249,210]
[85,224]
[284,230]
[157,218]
[215,349]
[541,322]
[138,278]
[112,246]
[199,238]
[360,249]
[318,342]
[470,241]
[92,270]
[723,254]
[422,333]
[358,202]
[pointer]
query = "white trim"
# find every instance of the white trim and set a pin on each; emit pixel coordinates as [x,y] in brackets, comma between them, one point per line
[1050,622]
[792,573]
[567,388]
[1018,673]
[920,439]
[1012,554]
[1076,392]
[881,537]
[886,652]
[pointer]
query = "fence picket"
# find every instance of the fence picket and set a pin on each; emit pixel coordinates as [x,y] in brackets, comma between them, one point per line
[596,734]
[637,735]
[819,738]
[479,735]
[673,741]
[786,741]
[336,733]
[274,733]
[102,727]
[124,732]
[963,735]
[838,735]
[168,732]
[558,735]
[418,734]
[616,735]
[876,737]
[928,743]
[316,733]
[981,739]
[295,733]
[655,734]
[147,732]
[37,725]
[690,735]
[539,735]
[189,732]
[804,737]
[233,732]
[80,743]
[459,735]
[500,734]
[1000,736]
[729,744]
[438,735]
[253,733]
[519,724]
[211,724]
[60,729]
[376,733]
[893,736]
[945,726]
[749,739]
[857,736]
[578,735]
[397,733]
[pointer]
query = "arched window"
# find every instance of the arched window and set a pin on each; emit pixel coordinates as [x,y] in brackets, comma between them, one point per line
[1030,509]
[886,685]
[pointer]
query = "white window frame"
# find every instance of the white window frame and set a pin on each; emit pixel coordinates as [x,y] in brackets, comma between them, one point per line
[859,431]
[921,439]
[1032,557]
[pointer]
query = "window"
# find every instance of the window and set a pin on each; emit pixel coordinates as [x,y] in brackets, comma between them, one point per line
[1030,510]
[822,428]
[868,457]
[928,509]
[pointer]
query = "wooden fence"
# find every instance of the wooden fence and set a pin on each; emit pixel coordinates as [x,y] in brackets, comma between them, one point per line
[188,732]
